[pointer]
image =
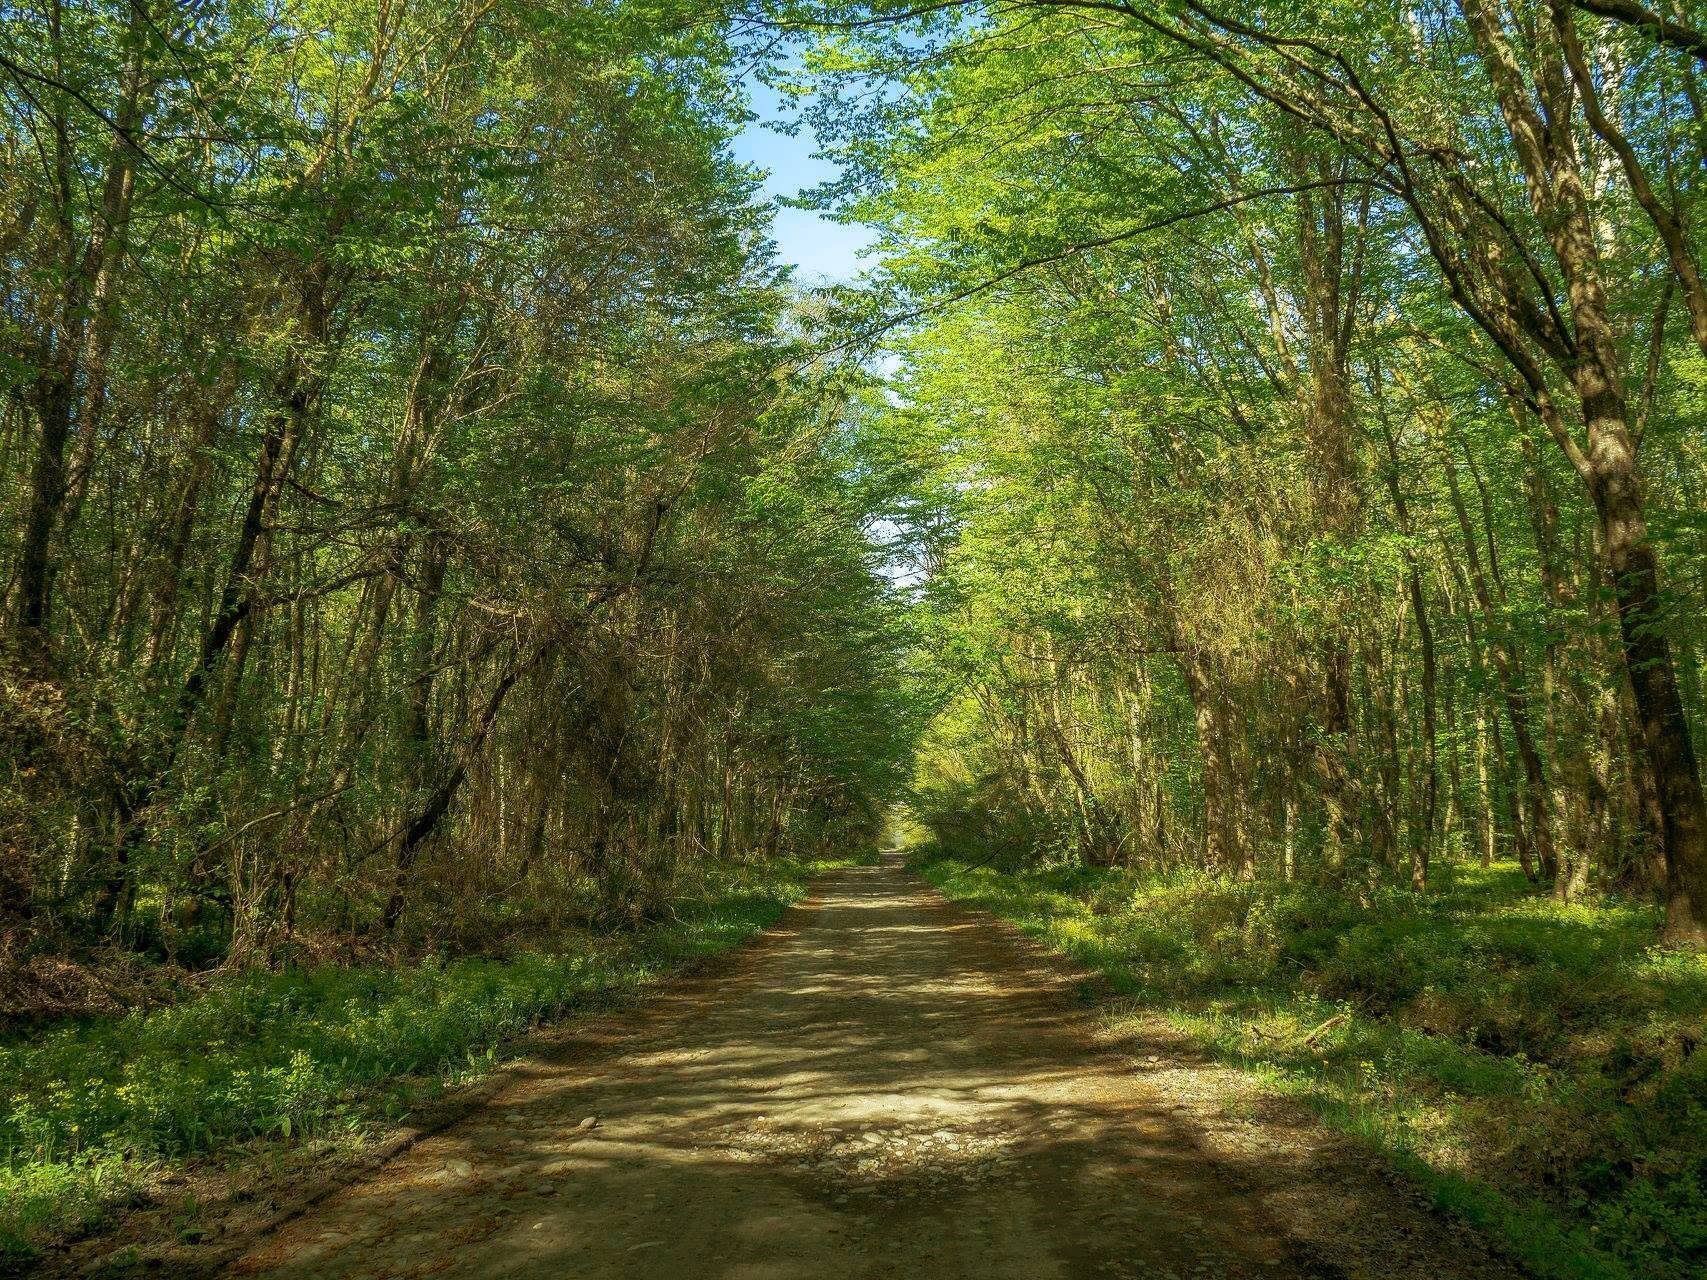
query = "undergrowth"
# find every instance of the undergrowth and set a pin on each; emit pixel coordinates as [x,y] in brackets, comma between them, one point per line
[90,1112]
[1536,1064]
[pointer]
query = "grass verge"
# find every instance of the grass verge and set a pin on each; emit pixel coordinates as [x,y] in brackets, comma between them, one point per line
[91,1113]
[1534,1064]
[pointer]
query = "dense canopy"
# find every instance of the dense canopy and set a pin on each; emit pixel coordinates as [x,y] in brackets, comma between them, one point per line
[417,492]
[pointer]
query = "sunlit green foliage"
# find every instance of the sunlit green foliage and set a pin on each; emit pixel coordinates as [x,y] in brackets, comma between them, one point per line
[1245,379]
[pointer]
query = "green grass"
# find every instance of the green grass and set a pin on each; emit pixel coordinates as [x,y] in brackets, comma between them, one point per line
[1535,1064]
[90,1112]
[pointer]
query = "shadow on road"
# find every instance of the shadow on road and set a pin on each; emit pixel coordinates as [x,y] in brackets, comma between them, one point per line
[890,1088]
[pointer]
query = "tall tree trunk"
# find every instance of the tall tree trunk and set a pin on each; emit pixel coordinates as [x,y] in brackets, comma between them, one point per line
[54,397]
[1608,466]
[1422,843]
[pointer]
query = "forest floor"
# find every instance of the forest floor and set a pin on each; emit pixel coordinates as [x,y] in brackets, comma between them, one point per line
[887,1085]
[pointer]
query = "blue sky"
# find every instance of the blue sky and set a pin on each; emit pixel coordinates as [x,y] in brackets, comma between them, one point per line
[823,251]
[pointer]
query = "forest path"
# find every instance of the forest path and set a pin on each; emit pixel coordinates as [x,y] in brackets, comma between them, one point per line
[886,1086]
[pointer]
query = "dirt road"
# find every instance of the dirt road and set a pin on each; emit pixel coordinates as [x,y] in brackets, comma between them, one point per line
[885,1087]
